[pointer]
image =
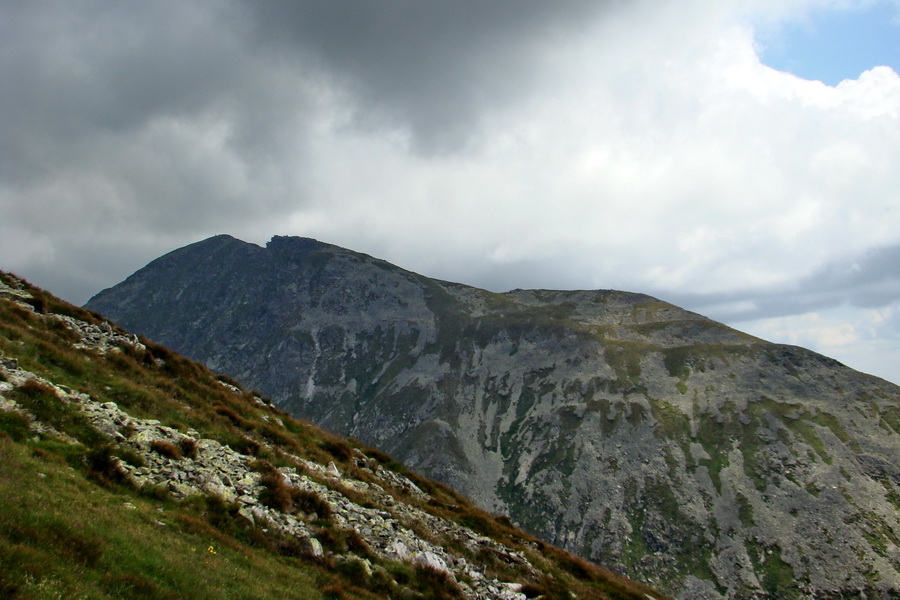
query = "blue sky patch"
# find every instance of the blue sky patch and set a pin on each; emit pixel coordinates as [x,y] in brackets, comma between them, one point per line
[833,45]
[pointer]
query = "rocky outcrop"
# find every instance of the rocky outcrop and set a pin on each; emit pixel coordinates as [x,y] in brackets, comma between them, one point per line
[635,433]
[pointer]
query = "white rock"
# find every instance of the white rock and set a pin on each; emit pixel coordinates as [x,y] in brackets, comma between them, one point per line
[315,547]
[398,549]
[432,560]
[333,470]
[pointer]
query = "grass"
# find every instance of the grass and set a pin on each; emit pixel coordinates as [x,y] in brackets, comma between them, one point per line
[108,550]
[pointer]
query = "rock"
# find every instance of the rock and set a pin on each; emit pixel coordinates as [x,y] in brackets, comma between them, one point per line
[430,559]
[398,550]
[313,547]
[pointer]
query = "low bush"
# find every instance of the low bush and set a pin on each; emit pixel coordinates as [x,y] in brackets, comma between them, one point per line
[357,545]
[237,442]
[104,467]
[38,302]
[309,502]
[233,417]
[337,449]
[167,449]
[434,584]
[277,493]
[223,378]
[188,447]
[378,455]
[354,571]
[129,585]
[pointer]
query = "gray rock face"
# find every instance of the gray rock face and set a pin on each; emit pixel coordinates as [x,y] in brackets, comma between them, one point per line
[642,436]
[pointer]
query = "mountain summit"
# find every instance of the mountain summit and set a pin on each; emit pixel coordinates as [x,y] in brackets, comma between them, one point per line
[640,435]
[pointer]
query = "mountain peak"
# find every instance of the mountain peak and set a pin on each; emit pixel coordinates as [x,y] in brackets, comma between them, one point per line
[283,243]
[633,432]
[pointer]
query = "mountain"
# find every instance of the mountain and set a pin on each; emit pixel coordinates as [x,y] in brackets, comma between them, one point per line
[128,471]
[636,434]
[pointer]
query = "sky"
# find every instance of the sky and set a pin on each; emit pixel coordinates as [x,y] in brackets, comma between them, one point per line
[739,159]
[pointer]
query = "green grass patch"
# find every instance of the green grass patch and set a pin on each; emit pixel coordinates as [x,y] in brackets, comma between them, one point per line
[106,549]
[45,404]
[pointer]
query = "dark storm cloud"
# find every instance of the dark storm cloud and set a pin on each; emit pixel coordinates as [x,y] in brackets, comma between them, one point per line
[142,126]
[143,116]
[871,281]
[429,65]
[75,69]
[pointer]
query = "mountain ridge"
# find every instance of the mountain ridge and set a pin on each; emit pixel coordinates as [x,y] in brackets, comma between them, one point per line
[129,471]
[585,415]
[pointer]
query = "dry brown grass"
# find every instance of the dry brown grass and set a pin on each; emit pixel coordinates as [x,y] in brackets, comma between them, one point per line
[167,449]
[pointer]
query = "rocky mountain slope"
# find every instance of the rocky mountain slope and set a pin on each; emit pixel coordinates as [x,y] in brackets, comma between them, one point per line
[127,471]
[645,437]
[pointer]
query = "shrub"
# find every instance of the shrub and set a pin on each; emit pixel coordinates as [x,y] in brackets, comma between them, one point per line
[48,456]
[103,466]
[238,443]
[308,502]
[357,545]
[228,380]
[38,302]
[56,535]
[167,449]
[276,437]
[292,547]
[353,571]
[129,585]
[236,419]
[188,447]
[33,389]
[434,583]
[332,540]
[547,588]
[262,466]
[280,495]
[338,449]
[533,590]
[276,493]
[130,457]
[380,456]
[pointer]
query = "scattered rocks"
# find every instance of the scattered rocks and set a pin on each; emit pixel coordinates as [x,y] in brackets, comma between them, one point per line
[216,469]
[102,338]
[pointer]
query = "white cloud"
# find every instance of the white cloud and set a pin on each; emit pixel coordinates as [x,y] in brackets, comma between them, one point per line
[662,147]
[864,340]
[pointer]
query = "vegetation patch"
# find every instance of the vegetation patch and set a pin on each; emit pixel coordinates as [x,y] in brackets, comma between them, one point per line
[47,407]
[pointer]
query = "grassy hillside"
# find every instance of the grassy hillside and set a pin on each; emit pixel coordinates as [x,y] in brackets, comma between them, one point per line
[129,471]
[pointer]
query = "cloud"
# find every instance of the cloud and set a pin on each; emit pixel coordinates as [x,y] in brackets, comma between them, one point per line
[864,340]
[639,146]
[868,281]
[424,66]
